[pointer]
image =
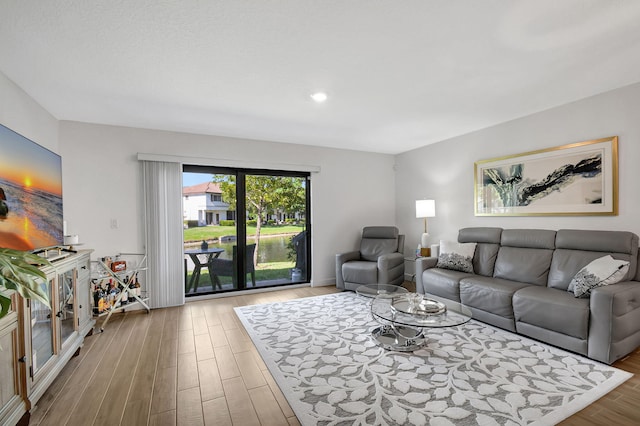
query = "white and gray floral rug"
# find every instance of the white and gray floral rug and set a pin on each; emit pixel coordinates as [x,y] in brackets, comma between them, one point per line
[320,352]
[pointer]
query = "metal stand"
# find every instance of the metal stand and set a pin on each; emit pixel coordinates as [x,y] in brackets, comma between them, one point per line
[105,272]
[398,338]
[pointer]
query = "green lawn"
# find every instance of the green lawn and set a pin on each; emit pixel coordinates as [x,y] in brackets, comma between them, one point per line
[212,232]
[264,272]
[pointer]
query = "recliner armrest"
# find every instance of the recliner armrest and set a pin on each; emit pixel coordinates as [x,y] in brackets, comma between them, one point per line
[614,309]
[341,258]
[390,260]
[391,268]
[345,257]
[422,264]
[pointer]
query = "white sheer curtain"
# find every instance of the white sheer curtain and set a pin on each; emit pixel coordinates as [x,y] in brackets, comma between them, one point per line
[162,183]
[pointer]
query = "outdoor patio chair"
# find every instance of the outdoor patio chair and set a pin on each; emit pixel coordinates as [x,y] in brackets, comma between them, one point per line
[227,268]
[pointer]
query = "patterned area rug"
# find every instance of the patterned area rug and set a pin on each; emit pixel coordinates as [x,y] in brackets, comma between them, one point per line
[320,352]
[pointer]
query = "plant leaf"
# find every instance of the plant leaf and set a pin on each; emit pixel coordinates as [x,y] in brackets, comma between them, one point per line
[5,305]
[19,271]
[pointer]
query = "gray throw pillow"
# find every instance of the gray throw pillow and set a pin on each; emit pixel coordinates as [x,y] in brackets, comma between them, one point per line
[456,256]
[600,272]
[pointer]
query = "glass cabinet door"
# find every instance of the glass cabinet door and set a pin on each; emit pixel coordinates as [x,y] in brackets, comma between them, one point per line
[9,367]
[41,330]
[66,305]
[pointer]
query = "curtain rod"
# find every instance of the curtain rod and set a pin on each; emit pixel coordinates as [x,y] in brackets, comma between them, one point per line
[224,162]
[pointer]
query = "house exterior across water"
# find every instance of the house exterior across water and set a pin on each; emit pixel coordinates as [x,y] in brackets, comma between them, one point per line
[203,203]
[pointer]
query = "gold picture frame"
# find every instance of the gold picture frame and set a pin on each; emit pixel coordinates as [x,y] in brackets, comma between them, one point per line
[578,179]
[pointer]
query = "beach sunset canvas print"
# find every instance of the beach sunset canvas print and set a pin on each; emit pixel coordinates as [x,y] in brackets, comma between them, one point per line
[30,194]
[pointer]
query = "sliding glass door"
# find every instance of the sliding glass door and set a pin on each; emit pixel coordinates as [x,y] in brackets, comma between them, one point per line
[276,227]
[244,229]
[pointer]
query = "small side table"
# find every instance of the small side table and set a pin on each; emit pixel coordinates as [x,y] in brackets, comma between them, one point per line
[412,259]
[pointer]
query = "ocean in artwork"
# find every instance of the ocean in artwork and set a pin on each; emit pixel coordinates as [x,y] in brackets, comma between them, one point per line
[34,219]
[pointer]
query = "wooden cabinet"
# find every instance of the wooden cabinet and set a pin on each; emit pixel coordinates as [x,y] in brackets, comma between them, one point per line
[13,404]
[41,339]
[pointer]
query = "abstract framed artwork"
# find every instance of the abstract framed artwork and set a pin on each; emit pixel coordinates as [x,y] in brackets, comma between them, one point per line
[577,179]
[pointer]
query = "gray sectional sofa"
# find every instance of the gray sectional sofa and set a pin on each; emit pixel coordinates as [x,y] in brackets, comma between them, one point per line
[520,279]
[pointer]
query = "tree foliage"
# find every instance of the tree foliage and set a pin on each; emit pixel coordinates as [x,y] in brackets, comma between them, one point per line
[265,194]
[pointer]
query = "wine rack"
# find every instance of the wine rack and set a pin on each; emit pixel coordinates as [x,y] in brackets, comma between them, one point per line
[116,286]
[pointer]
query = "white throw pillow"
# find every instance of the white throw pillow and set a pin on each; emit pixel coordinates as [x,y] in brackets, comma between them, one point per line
[600,272]
[456,256]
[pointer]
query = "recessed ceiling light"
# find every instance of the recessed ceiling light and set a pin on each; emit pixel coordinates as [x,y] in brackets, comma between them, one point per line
[319,97]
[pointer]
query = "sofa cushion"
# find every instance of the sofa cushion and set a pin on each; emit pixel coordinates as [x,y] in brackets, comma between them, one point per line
[456,256]
[566,264]
[600,272]
[489,294]
[378,240]
[553,310]
[605,241]
[576,248]
[480,235]
[525,255]
[360,272]
[487,244]
[528,238]
[484,259]
[443,283]
[527,265]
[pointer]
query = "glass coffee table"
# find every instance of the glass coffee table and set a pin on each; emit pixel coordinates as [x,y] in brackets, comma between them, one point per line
[405,317]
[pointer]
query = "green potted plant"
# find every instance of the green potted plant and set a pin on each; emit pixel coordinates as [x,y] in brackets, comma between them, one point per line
[19,271]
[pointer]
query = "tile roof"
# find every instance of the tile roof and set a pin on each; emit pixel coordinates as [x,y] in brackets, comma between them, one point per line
[202,188]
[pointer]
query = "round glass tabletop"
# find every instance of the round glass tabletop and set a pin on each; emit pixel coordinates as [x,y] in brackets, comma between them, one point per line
[397,311]
[382,290]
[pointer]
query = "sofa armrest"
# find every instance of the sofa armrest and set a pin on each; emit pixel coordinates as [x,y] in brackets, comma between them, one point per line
[614,328]
[341,258]
[422,264]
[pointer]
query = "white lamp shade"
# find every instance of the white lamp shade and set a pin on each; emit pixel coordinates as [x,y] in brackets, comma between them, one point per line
[425,208]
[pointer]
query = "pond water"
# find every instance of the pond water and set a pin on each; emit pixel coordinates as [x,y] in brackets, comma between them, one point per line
[272,249]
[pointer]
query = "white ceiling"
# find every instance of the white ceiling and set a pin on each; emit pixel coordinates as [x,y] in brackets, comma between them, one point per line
[399,74]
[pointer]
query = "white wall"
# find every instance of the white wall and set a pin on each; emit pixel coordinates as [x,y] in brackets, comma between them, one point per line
[444,171]
[194,207]
[101,176]
[20,113]
[102,184]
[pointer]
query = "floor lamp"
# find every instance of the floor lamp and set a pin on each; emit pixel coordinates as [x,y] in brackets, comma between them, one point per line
[425,209]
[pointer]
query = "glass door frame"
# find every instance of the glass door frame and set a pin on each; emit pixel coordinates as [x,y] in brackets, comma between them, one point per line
[241,215]
[39,368]
[64,277]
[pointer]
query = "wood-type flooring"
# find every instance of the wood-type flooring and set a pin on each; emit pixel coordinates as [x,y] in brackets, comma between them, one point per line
[196,365]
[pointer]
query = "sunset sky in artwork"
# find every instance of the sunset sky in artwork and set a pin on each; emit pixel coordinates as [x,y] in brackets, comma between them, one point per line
[28,164]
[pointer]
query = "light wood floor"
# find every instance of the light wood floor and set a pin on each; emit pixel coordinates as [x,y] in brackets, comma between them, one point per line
[195,365]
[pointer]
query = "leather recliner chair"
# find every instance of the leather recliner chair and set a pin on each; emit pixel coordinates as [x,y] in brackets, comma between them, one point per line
[380,259]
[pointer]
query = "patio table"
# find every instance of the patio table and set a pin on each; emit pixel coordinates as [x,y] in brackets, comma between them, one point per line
[211,253]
